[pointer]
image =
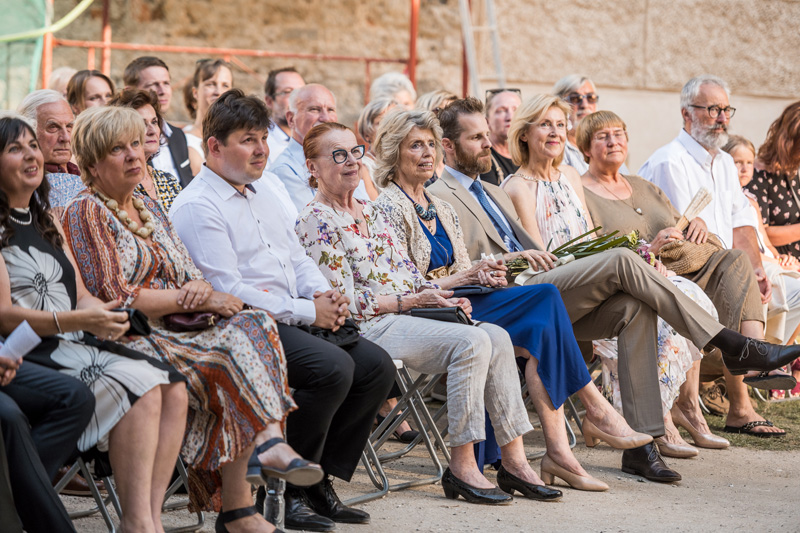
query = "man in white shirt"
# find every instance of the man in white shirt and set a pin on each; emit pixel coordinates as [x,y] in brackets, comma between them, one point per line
[611,294]
[308,106]
[692,161]
[152,74]
[279,86]
[238,235]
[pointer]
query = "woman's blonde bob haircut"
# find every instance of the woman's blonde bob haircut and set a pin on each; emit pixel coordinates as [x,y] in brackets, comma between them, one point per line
[529,113]
[591,124]
[99,129]
[393,130]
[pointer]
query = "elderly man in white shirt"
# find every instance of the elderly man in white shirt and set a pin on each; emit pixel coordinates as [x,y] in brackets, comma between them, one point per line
[695,160]
[240,237]
[309,105]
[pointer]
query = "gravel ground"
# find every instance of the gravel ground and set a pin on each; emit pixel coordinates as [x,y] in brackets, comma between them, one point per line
[738,489]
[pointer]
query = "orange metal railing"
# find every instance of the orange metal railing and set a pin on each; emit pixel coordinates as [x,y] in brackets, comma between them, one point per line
[229,54]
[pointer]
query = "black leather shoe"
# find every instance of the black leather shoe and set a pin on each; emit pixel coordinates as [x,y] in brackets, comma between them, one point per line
[645,461]
[509,483]
[453,487]
[760,355]
[300,515]
[324,501]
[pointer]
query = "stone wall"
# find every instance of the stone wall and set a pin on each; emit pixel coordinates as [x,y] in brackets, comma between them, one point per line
[639,52]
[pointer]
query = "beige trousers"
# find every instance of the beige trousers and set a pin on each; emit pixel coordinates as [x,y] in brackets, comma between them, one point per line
[616,294]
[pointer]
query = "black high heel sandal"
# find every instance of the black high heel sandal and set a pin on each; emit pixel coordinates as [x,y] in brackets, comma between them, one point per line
[300,472]
[225,517]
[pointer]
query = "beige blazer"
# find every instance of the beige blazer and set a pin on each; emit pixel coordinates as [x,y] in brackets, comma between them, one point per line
[480,234]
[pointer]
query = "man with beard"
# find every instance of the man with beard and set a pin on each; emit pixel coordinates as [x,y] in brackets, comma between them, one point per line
[693,160]
[280,84]
[500,107]
[611,294]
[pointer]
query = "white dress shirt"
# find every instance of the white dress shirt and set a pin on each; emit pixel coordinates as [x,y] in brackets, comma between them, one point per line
[246,246]
[163,159]
[290,167]
[683,167]
[277,141]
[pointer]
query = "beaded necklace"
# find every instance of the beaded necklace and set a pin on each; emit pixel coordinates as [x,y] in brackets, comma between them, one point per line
[425,214]
[143,232]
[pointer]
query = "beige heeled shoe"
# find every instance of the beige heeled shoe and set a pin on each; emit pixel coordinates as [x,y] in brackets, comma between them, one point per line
[703,440]
[678,451]
[550,470]
[592,434]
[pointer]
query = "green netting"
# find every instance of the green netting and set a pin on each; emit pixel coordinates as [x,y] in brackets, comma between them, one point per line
[19,60]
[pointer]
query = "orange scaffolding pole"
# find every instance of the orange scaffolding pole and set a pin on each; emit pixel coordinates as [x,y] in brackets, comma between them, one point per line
[106,45]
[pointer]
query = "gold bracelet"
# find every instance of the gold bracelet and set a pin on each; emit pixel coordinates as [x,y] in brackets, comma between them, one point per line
[58,326]
[399,303]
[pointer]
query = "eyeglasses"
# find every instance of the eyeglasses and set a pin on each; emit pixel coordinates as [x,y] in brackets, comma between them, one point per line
[617,135]
[577,98]
[490,93]
[715,110]
[340,155]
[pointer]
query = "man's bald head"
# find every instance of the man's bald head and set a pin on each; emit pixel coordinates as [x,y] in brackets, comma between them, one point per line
[308,106]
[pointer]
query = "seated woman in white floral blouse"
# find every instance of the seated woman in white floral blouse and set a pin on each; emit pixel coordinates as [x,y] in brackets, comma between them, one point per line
[355,247]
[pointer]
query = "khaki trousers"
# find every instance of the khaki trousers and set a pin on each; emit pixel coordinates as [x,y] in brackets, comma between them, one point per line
[616,294]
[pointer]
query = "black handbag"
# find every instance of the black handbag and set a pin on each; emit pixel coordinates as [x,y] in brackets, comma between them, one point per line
[347,334]
[469,290]
[443,314]
[138,320]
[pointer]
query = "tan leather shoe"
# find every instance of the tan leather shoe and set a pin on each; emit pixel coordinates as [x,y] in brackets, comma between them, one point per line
[703,440]
[678,451]
[592,434]
[551,470]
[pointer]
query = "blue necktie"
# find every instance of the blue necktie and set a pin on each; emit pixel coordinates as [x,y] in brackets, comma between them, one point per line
[500,224]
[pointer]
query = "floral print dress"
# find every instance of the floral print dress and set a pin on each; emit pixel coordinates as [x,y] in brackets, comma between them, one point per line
[235,370]
[561,217]
[361,266]
[42,279]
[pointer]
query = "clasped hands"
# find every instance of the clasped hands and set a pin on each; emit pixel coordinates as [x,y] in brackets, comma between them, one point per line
[331,308]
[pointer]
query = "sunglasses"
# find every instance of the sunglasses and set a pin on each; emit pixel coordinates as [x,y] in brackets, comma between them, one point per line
[575,98]
[490,93]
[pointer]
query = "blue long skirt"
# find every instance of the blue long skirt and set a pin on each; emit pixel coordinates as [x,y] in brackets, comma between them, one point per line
[536,319]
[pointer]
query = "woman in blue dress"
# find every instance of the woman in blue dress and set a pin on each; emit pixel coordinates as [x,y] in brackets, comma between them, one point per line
[408,147]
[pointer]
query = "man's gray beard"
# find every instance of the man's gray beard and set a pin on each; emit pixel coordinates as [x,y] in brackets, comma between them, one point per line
[710,139]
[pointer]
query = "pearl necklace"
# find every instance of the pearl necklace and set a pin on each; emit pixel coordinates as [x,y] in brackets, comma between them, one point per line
[18,221]
[143,232]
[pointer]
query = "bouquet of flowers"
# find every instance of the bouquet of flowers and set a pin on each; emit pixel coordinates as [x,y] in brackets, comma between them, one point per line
[574,249]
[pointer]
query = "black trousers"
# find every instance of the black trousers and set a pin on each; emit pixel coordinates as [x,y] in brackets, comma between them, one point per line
[8,513]
[42,414]
[338,393]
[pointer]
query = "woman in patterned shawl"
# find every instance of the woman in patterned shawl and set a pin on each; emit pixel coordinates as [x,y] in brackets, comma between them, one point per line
[236,369]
